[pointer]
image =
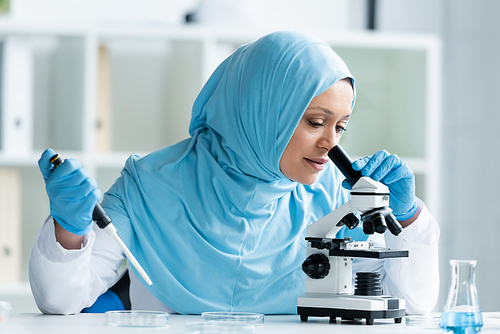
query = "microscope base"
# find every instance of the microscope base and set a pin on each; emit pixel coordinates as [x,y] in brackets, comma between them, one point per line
[350,307]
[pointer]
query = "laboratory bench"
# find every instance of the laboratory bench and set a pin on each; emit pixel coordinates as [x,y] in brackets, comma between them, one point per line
[290,324]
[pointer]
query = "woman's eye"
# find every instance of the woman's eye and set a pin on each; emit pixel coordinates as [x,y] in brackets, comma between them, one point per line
[315,124]
[340,130]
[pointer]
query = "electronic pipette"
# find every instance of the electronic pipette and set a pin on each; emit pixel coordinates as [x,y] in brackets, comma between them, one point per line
[104,222]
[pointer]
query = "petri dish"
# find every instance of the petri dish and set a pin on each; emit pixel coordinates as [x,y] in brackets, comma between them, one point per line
[235,317]
[216,327]
[136,318]
[430,321]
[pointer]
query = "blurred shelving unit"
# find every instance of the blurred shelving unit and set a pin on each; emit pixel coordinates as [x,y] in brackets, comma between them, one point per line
[100,94]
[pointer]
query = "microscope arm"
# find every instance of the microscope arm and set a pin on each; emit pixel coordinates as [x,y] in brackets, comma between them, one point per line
[326,227]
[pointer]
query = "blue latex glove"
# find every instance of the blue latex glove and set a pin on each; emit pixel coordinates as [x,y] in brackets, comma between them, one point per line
[396,175]
[72,192]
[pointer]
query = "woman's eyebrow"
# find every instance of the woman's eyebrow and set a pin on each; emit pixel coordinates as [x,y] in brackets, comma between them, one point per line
[328,111]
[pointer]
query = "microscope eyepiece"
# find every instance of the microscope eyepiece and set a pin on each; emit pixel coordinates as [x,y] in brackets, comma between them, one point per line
[344,164]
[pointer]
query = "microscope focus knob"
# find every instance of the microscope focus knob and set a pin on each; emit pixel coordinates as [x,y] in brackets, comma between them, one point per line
[316,266]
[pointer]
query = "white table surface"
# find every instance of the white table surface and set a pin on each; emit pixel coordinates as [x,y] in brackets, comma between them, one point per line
[289,324]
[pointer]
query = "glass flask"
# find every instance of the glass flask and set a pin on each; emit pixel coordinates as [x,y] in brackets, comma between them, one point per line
[461,313]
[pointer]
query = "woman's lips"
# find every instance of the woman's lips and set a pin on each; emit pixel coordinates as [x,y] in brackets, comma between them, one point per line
[317,164]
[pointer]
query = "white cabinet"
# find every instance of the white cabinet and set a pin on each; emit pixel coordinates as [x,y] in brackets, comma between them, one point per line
[148,80]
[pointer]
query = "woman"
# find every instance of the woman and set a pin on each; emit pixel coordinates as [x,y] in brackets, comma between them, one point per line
[218,220]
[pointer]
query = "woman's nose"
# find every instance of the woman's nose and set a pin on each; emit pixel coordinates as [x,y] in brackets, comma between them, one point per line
[329,140]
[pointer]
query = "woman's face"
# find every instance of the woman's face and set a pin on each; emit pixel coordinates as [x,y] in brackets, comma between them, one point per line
[317,132]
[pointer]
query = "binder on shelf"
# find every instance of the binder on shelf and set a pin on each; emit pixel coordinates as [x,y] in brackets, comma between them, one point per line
[103,131]
[10,225]
[16,96]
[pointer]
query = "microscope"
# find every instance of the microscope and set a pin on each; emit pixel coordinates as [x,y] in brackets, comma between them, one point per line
[328,265]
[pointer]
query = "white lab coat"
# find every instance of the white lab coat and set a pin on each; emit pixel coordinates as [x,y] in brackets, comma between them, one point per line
[66,281]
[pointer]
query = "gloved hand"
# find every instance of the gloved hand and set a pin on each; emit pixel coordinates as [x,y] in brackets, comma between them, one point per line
[396,175]
[72,192]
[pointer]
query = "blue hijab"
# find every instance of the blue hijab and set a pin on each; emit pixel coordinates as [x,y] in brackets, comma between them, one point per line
[212,219]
